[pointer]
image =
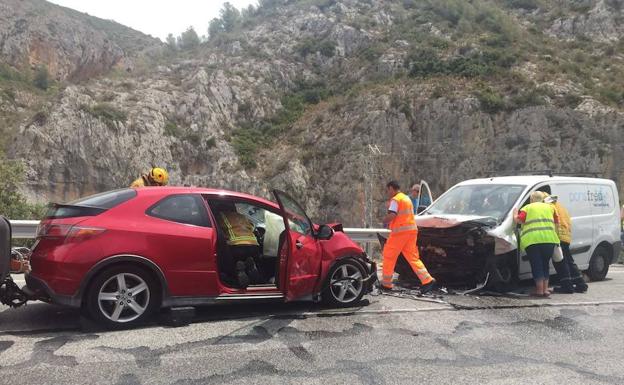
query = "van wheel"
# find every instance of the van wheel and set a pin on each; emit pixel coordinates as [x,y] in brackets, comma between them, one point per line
[344,286]
[122,297]
[599,264]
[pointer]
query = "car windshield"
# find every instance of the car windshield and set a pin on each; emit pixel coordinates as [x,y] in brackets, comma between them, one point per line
[487,200]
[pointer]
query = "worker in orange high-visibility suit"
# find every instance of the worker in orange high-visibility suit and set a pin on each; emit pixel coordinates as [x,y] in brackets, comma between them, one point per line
[403,238]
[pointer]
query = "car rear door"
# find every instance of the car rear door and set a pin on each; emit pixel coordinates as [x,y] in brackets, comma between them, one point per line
[301,264]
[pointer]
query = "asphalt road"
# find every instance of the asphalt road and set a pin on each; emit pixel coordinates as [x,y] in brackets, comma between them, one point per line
[567,339]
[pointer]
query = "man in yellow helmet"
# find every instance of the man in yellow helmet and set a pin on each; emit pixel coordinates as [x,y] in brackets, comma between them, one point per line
[155,177]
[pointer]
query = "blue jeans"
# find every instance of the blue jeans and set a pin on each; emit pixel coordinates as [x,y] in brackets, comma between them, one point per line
[539,257]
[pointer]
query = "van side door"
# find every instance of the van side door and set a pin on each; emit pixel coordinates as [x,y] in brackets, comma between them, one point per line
[573,196]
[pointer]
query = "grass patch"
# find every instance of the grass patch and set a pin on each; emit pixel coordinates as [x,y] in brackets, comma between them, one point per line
[106,113]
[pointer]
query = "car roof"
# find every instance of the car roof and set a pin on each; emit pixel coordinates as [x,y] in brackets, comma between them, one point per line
[531,180]
[169,190]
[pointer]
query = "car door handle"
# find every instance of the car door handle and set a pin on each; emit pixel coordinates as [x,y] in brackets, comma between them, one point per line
[298,244]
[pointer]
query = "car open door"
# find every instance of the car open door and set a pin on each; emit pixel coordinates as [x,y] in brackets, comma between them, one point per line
[302,267]
[425,198]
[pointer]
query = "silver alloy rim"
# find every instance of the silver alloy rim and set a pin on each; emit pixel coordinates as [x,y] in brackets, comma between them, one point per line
[346,283]
[124,297]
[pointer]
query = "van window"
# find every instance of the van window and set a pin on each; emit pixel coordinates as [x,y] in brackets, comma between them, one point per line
[487,200]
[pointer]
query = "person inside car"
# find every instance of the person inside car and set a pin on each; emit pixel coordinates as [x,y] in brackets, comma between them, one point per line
[242,245]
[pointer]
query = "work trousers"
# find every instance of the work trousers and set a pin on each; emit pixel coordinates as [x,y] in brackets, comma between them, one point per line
[403,242]
[567,271]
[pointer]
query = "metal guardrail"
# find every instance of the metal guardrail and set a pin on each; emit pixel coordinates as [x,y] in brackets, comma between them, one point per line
[24,229]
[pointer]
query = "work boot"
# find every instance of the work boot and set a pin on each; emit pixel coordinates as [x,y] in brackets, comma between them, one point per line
[581,287]
[424,289]
[564,289]
[241,275]
[252,271]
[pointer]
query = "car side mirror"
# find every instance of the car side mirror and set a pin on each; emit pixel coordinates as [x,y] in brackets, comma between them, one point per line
[324,233]
[420,209]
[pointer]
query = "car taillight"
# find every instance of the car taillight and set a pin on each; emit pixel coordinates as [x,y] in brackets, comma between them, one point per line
[67,231]
[84,232]
[53,231]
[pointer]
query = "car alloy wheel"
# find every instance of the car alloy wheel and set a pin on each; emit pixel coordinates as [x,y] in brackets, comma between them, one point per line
[346,284]
[124,297]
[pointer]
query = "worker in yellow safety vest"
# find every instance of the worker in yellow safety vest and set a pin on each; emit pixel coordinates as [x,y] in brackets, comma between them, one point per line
[570,277]
[403,239]
[242,244]
[538,237]
[157,176]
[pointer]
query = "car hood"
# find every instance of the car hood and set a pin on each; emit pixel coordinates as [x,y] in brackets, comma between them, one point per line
[503,233]
[444,221]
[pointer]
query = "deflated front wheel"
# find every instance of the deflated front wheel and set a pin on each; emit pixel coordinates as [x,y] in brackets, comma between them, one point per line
[345,284]
[122,296]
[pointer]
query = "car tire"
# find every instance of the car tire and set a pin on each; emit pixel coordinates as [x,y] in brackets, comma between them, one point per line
[122,296]
[344,285]
[599,264]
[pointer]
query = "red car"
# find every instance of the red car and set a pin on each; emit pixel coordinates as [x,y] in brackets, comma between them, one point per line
[122,255]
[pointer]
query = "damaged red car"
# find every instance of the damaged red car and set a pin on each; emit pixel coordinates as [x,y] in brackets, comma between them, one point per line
[124,254]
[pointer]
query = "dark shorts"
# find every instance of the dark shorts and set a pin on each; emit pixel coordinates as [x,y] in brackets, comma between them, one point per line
[539,256]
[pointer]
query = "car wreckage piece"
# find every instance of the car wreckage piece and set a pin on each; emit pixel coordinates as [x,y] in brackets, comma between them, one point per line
[11,261]
[466,252]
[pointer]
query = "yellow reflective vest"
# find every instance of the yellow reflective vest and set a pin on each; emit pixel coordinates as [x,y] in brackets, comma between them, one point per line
[238,229]
[142,181]
[539,226]
[564,227]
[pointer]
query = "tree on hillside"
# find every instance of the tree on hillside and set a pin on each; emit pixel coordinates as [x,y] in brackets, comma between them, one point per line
[189,39]
[230,17]
[215,27]
[171,42]
[248,12]
[13,205]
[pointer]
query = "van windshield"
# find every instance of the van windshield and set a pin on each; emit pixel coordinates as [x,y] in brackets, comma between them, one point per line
[488,200]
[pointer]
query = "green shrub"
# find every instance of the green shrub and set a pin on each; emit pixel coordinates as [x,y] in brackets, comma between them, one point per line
[211,142]
[524,4]
[528,98]
[105,112]
[611,95]
[490,101]
[171,129]
[13,205]
[42,78]
[310,46]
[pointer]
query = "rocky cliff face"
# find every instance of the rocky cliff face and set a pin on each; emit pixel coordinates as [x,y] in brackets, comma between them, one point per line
[70,44]
[293,98]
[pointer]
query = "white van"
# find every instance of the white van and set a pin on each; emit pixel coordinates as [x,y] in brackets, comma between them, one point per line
[468,233]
